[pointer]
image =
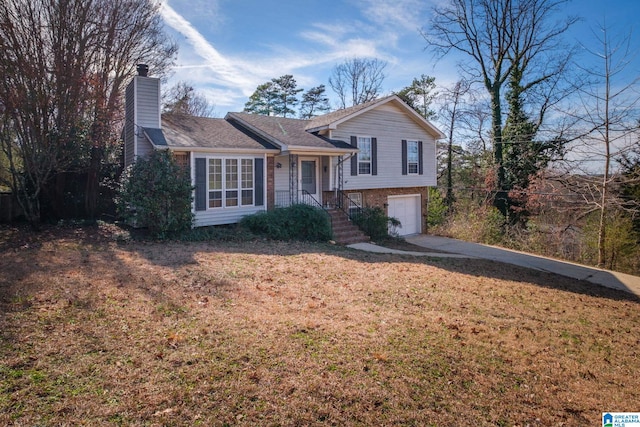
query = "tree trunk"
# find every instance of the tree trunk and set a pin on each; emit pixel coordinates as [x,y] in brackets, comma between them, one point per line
[500,199]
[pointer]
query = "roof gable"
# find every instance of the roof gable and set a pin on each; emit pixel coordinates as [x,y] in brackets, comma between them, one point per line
[333,119]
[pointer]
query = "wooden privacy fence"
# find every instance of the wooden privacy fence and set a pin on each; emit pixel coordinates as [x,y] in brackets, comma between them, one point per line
[9,208]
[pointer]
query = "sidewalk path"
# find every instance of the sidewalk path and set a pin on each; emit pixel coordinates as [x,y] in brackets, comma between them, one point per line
[461,249]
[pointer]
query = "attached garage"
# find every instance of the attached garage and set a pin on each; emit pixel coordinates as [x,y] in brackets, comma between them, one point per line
[406,208]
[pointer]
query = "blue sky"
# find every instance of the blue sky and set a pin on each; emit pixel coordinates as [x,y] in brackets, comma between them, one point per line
[229,47]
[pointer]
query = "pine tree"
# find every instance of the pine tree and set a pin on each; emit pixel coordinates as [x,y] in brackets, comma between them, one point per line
[314,102]
[262,101]
[286,95]
[419,95]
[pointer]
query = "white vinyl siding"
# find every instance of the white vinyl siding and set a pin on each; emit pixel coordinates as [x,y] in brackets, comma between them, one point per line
[390,126]
[281,173]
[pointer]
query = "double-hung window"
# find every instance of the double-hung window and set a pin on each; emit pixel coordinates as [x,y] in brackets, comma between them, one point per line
[215,183]
[247,182]
[364,155]
[231,182]
[413,157]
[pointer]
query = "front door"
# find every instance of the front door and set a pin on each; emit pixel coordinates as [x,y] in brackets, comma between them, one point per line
[309,179]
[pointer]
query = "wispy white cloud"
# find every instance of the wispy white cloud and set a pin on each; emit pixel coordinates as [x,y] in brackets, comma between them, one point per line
[401,15]
[225,71]
[230,79]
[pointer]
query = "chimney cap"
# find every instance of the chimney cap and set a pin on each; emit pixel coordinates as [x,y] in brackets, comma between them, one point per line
[143,70]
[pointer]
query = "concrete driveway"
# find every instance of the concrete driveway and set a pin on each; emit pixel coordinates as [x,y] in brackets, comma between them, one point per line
[460,249]
[610,279]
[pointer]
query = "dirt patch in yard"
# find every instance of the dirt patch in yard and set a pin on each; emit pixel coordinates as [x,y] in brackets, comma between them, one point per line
[99,330]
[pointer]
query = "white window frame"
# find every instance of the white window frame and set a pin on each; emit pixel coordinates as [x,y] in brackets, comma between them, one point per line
[361,141]
[413,162]
[355,202]
[240,184]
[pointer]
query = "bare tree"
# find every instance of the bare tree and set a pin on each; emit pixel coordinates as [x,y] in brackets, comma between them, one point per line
[608,127]
[66,63]
[452,109]
[357,80]
[126,33]
[182,98]
[500,36]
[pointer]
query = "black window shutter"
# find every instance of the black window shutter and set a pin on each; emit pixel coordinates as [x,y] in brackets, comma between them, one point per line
[420,161]
[374,156]
[201,184]
[404,157]
[259,181]
[354,158]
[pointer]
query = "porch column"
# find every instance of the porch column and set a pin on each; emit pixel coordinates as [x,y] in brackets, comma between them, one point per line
[271,190]
[293,178]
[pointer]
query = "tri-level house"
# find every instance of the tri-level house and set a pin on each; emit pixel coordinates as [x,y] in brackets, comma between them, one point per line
[381,153]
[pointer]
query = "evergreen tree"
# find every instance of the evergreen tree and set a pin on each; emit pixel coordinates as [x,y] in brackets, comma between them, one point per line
[286,95]
[262,100]
[419,95]
[274,98]
[314,102]
[524,157]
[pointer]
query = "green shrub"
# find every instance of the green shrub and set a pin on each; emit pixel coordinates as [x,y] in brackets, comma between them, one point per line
[218,233]
[374,222]
[296,222]
[156,193]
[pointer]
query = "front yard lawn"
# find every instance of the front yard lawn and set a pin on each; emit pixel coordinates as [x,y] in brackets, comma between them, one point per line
[95,332]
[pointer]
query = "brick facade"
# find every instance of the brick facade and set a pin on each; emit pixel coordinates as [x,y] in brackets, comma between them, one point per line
[271,192]
[379,198]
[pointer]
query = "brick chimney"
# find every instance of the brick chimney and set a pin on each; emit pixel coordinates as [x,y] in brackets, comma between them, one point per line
[142,110]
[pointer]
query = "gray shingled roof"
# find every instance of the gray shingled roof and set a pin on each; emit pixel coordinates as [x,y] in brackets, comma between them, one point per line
[287,131]
[182,131]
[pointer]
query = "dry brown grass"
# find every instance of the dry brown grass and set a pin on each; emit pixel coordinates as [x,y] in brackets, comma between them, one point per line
[95,332]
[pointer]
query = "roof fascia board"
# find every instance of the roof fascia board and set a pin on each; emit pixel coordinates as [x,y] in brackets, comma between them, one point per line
[320,151]
[225,150]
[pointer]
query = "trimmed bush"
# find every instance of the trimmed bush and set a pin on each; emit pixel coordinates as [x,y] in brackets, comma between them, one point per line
[156,193]
[296,222]
[374,222]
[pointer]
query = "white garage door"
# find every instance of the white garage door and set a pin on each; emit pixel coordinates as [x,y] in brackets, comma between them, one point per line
[407,210]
